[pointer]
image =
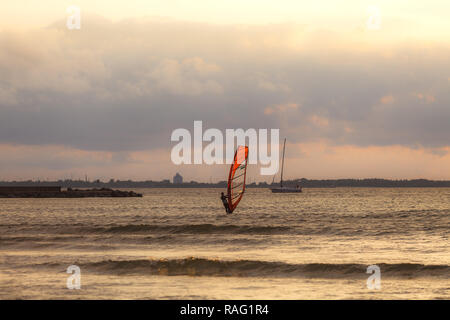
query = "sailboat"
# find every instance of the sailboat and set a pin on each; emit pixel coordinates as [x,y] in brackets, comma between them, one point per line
[282,189]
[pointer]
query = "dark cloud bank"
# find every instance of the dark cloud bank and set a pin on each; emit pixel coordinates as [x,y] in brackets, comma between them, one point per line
[125,86]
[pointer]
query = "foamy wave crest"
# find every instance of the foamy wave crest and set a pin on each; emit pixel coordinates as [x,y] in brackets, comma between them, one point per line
[254,268]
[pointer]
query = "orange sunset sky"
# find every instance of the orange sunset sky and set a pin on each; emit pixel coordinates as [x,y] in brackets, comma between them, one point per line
[353,99]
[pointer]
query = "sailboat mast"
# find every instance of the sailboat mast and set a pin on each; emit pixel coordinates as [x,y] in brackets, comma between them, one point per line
[282,164]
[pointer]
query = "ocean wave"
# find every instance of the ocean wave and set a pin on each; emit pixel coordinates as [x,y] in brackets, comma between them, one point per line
[199,228]
[253,268]
[242,229]
[316,228]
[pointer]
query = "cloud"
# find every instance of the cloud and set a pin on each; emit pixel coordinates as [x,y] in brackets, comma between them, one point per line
[313,160]
[54,157]
[318,121]
[321,160]
[387,99]
[123,87]
[426,98]
[280,108]
[188,77]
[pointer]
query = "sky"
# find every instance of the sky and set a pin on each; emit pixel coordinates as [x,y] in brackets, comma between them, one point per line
[360,89]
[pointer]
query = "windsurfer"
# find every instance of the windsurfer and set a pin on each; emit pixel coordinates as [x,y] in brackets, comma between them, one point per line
[225,202]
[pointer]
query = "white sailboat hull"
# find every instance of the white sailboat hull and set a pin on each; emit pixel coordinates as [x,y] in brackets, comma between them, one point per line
[286,190]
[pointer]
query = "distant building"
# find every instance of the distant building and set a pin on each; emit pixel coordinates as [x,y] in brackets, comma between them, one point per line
[177,178]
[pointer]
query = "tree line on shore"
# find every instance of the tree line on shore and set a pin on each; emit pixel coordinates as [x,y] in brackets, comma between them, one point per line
[305,183]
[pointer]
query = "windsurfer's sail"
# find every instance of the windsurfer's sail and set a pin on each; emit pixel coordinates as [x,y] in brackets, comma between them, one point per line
[236,177]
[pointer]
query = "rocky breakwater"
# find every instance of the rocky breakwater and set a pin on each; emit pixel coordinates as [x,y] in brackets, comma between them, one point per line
[69,193]
[103,192]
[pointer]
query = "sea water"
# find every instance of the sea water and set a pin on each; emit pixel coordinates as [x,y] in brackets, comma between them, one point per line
[180,244]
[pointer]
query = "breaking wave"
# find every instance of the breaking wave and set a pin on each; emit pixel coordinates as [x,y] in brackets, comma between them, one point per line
[253,268]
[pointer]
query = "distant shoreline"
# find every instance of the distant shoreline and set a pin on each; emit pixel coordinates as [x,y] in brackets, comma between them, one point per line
[305,183]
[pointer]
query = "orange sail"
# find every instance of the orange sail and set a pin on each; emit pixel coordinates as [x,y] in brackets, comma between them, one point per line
[236,177]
